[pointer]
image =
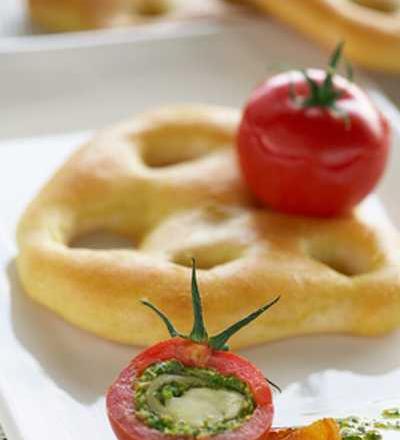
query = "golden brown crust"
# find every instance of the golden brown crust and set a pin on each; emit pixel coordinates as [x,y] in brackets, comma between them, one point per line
[75,15]
[372,36]
[169,181]
[325,429]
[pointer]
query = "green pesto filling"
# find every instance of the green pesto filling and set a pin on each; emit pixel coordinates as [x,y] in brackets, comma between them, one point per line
[161,385]
[391,413]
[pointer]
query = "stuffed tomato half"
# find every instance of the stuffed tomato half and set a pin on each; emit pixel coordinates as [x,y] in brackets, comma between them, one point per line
[191,387]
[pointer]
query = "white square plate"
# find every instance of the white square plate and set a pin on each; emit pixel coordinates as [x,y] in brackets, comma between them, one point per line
[53,376]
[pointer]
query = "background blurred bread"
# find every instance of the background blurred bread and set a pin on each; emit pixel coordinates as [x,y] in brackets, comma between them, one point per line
[370,28]
[73,15]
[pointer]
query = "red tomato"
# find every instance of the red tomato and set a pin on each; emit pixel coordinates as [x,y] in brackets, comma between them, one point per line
[317,160]
[120,397]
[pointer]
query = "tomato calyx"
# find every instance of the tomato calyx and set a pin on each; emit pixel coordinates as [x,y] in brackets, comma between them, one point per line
[199,332]
[324,94]
[137,401]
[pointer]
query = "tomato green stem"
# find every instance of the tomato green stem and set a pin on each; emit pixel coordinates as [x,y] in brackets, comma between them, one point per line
[325,94]
[219,341]
[274,385]
[199,333]
[171,329]
[349,72]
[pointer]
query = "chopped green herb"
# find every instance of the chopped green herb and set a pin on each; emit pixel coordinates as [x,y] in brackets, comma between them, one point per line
[391,413]
[357,428]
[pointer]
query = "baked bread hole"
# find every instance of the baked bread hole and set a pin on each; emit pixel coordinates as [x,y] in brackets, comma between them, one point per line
[208,257]
[174,144]
[342,258]
[101,240]
[380,5]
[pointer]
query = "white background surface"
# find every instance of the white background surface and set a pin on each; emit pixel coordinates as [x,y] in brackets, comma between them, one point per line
[13,20]
[53,376]
[16,31]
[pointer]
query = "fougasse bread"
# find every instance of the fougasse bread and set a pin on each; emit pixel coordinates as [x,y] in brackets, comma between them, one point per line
[370,28]
[76,15]
[169,181]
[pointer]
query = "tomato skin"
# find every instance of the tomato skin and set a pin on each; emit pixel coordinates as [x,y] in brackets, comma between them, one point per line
[308,160]
[120,397]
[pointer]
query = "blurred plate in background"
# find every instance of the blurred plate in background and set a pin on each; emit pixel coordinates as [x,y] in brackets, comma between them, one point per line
[15,18]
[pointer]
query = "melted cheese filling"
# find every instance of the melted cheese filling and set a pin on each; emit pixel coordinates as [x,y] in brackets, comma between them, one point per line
[200,405]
